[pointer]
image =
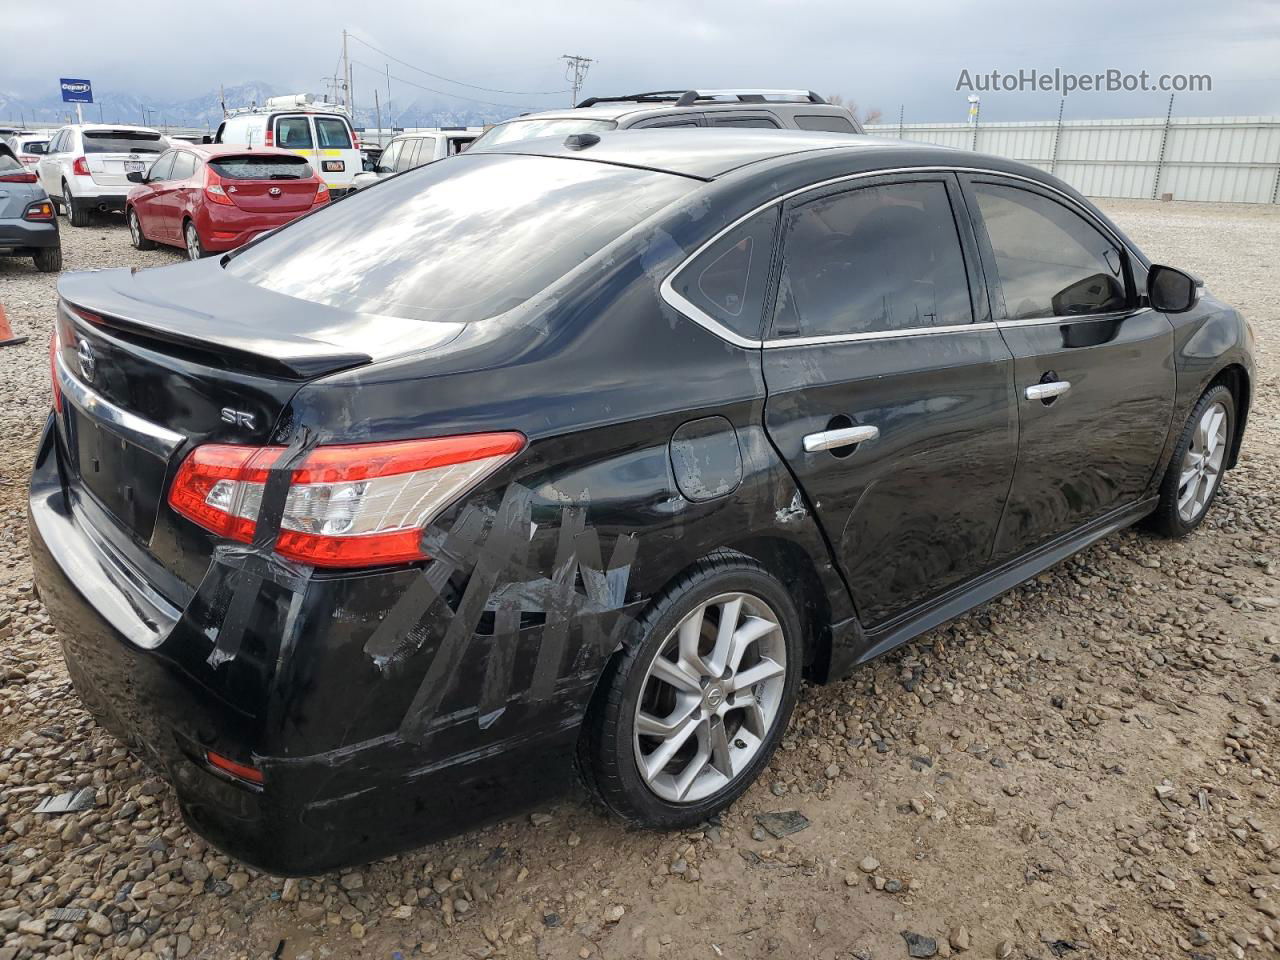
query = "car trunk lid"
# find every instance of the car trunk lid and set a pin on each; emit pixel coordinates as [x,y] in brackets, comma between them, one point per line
[267,182]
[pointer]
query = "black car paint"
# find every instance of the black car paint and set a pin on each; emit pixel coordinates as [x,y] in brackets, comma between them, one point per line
[352,773]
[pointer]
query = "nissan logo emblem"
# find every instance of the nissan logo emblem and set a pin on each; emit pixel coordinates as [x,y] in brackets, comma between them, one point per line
[88,362]
[274,191]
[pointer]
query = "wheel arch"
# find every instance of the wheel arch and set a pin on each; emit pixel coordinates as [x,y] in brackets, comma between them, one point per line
[1236,379]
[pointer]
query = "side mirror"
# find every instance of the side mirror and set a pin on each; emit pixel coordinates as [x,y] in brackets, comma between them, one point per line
[137,176]
[1170,290]
[362,180]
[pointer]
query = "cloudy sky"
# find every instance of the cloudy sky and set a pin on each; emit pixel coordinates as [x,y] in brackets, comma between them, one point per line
[879,55]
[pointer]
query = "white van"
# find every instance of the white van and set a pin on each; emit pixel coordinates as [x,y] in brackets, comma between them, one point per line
[321,132]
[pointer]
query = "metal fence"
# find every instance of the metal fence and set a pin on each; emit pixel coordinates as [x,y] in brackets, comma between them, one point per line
[1227,159]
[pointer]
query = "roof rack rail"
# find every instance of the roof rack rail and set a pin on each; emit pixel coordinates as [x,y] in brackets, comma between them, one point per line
[686,98]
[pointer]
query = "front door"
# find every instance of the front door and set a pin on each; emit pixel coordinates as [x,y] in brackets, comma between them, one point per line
[1094,371]
[889,389]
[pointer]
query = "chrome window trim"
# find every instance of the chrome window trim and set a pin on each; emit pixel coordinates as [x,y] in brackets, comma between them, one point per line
[1038,321]
[673,299]
[149,436]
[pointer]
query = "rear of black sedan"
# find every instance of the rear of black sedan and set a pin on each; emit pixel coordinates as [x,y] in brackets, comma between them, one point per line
[378,527]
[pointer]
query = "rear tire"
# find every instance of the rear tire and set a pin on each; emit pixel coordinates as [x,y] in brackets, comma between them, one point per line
[712,725]
[49,259]
[1194,475]
[195,250]
[139,239]
[77,215]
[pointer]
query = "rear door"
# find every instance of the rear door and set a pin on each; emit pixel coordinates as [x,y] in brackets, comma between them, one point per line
[113,154]
[49,168]
[339,159]
[150,205]
[1067,304]
[889,388]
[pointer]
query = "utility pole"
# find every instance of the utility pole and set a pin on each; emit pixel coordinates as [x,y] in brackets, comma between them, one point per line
[575,72]
[377,115]
[391,123]
[346,78]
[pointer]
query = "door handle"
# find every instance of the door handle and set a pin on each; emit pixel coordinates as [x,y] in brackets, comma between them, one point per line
[845,437]
[1047,391]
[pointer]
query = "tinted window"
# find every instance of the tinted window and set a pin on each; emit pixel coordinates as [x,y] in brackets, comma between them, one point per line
[651,125]
[761,122]
[122,141]
[184,166]
[871,260]
[727,281]
[515,130]
[259,167]
[293,133]
[457,241]
[408,156]
[332,134]
[1051,262]
[426,152]
[831,124]
[160,170]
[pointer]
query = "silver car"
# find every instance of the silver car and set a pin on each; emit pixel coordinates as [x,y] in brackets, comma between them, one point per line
[28,220]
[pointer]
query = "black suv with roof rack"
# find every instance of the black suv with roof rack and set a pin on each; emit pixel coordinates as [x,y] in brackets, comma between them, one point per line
[777,109]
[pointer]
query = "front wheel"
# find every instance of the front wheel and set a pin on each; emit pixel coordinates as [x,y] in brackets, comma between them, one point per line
[1194,475]
[687,717]
[194,250]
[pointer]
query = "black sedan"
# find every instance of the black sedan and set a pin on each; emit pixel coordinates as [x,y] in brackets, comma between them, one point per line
[584,455]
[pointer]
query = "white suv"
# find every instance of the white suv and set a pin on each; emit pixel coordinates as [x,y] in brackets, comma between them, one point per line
[86,166]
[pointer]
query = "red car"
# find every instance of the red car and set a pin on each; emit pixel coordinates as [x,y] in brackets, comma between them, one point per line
[214,198]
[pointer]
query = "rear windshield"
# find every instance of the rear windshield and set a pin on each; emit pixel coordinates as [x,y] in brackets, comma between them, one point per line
[332,134]
[8,163]
[460,240]
[261,168]
[122,141]
[515,130]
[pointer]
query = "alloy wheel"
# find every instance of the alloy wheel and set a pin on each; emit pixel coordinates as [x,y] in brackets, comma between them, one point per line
[135,230]
[710,697]
[1202,463]
[193,243]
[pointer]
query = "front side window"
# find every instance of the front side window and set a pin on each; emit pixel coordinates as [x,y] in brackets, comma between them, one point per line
[293,133]
[332,134]
[728,280]
[874,259]
[1051,262]
[459,241]
[122,141]
[387,161]
[161,169]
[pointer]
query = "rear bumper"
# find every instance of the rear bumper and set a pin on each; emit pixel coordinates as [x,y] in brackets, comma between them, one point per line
[317,810]
[19,236]
[99,197]
[233,228]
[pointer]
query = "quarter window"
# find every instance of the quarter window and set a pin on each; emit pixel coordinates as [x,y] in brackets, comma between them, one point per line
[1051,262]
[728,280]
[293,133]
[872,260]
[758,122]
[830,123]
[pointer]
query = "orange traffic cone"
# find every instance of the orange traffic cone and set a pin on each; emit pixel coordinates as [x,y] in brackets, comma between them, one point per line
[7,339]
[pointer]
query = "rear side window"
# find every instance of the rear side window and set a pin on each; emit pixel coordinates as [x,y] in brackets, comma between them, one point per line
[457,241]
[122,141]
[408,155]
[184,166]
[876,259]
[728,280]
[8,164]
[828,123]
[1051,262]
[764,123]
[258,167]
[332,134]
[293,133]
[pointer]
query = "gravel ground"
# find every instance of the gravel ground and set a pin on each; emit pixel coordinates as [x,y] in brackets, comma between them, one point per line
[1086,767]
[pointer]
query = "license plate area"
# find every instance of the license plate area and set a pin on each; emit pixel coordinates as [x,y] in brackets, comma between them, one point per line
[134,166]
[122,477]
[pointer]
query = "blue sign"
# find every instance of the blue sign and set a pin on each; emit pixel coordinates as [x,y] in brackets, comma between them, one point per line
[76,91]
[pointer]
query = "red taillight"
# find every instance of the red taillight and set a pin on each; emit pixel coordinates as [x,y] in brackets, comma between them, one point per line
[17,178]
[215,191]
[268,138]
[322,193]
[241,771]
[54,344]
[355,505]
[355,140]
[81,167]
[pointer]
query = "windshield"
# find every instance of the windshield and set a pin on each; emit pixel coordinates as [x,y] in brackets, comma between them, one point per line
[122,141]
[460,240]
[515,130]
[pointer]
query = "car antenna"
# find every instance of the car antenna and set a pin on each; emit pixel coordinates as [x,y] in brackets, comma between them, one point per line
[580,141]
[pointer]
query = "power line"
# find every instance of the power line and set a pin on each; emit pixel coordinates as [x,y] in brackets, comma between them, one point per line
[575,71]
[404,63]
[447,93]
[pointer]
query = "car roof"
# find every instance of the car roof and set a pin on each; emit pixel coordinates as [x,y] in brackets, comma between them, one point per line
[704,153]
[112,126]
[618,109]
